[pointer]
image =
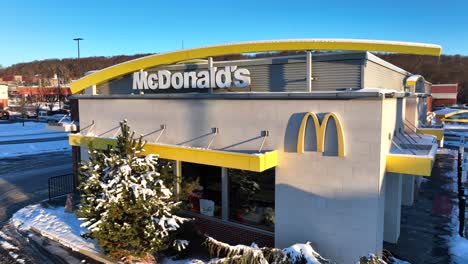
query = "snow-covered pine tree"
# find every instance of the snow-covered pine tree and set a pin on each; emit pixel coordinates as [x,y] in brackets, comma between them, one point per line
[124,203]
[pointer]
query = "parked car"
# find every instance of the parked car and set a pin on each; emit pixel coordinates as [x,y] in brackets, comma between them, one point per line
[57,118]
[4,114]
[42,115]
[31,114]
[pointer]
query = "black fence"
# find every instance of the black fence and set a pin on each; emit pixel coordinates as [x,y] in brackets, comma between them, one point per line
[61,185]
[461,188]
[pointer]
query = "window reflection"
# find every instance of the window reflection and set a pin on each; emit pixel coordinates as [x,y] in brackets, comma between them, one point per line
[252,198]
[201,189]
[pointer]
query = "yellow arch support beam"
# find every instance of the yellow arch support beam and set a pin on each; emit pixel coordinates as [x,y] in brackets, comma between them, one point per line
[320,132]
[453,113]
[249,47]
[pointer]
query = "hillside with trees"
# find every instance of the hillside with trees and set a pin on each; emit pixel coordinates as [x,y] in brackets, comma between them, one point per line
[443,69]
[67,69]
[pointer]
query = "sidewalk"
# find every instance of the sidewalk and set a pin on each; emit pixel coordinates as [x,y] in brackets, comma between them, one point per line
[28,245]
[426,226]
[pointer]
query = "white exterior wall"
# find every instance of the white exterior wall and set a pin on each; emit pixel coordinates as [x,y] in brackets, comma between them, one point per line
[3,91]
[336,203]
[412,115]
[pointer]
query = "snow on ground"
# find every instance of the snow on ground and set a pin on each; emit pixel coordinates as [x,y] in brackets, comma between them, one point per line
[16,131]
[399,261]
[54,223]
[33,148]
[11,129]
[458,246]
[31,130]
[9,247]
[182,261]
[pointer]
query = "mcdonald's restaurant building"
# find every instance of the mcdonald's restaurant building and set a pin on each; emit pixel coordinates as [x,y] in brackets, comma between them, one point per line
[318,147]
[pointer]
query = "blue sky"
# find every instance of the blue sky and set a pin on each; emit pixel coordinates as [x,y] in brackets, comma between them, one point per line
[34,30]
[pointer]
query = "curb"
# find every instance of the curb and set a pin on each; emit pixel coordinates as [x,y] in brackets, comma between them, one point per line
[87,253]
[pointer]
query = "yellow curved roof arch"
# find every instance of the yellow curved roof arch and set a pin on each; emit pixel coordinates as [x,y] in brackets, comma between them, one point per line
[250,47]
[446,116]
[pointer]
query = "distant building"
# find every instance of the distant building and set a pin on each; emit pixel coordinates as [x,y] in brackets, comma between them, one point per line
[444,94]
[12,79]
[25,90]
[3,96]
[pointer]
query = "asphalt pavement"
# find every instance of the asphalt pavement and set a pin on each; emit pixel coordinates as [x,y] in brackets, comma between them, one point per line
[24,179]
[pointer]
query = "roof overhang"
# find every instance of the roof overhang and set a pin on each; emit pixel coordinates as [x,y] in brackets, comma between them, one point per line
[253,161]
[418,160]
[251,47]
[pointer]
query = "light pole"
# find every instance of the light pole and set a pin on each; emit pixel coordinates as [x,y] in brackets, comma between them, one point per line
[78,61]
[78,42]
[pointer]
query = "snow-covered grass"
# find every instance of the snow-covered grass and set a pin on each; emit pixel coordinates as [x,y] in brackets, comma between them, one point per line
[56,224]
[31,130]
[14,131]
[33,148]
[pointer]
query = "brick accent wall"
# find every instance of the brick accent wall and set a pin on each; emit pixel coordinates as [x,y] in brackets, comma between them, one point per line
[3,103]
[232,233]
[444,101]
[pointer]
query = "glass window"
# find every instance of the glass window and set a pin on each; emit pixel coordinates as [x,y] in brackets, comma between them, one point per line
[252,198]
[166,169]
[200,189]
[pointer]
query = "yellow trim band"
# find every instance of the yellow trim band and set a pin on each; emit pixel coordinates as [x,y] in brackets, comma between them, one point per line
[252,162]
[250,47]
[407,164]
[438,132]
[320,132]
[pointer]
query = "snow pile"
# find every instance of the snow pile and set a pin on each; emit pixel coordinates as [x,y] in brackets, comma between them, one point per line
[458,249]
[9,247]
[54,223]
[298,251]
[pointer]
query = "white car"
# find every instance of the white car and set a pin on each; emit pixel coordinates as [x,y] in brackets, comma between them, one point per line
[57,118]
[42,115]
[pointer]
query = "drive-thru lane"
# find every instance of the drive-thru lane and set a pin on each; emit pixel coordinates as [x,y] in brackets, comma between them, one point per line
[24,179]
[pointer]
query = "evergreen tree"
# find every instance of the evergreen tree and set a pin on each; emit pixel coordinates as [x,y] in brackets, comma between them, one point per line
[125,204]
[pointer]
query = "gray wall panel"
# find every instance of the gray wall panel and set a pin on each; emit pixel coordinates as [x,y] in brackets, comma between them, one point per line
[282,74]
[378,76]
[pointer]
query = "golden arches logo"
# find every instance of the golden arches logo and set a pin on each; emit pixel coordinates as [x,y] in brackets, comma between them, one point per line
[320,133]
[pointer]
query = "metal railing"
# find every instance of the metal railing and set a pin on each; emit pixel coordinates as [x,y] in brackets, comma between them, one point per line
[410,126]
[61,185]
